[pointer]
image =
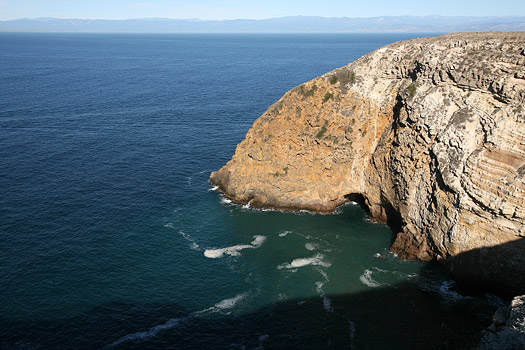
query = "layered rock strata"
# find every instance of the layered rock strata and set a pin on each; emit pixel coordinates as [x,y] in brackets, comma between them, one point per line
[429,132]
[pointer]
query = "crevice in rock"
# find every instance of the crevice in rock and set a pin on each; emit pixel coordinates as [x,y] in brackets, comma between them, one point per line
[393,218]
[439,178]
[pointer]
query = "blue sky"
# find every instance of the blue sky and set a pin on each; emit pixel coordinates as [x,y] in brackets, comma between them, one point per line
[232,9]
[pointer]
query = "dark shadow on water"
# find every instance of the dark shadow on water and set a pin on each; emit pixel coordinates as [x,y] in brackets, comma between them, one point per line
[405,316]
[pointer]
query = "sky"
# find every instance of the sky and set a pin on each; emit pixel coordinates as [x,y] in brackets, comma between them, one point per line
[252,9]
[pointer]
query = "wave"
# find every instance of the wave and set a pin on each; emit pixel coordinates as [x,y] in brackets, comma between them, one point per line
[366,279]
[225,200]
[222,305]
[316,260]
[234,250]
[214,188]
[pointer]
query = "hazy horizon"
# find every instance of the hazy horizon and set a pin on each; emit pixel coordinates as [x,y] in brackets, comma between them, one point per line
[288,24]
[256,19]
[252,10]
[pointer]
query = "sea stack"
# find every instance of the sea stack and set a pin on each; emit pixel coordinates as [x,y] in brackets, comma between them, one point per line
[429,133]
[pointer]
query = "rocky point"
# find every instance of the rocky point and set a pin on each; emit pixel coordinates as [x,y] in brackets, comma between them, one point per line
[429,133]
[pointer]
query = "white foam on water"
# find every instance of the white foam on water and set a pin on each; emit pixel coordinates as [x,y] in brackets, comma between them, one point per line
[380,270]
[325,275]
[327,304]
[366,279]
[311,246]
[230,302]
[446,291]
[262,339]
[316,260]
[353,331]
[152,332]
[169,225]
[187,237]
[284,233]
[222,305]
[214,188]
[225,200]
[234,250]
[353,203]
[319,288]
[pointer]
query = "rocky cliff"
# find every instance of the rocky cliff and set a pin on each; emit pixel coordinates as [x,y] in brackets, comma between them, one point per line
[429,133]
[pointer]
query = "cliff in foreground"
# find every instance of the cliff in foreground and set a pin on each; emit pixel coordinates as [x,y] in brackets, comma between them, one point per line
[428,132]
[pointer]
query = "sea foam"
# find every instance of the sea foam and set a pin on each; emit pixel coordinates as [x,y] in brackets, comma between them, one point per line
[234,250]
[222,305]
[153,331]
[284,233]
[316,260]
[366,279]
[190,240]
[311,246]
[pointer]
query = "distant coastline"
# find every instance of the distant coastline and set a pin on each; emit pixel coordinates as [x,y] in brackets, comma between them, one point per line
[291,24]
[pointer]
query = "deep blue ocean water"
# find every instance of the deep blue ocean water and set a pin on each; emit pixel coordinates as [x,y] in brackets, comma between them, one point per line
[111,235]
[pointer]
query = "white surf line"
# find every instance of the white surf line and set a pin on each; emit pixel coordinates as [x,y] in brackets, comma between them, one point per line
[222,305]
[234,250]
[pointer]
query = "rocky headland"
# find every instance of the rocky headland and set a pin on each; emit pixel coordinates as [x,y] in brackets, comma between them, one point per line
[428,133]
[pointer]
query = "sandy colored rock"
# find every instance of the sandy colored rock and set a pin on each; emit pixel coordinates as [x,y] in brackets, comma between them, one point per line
[429,132]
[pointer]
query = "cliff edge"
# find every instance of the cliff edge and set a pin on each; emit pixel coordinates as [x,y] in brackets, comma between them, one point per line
[429,133]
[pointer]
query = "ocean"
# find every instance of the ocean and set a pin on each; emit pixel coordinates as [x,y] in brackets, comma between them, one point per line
[111,236]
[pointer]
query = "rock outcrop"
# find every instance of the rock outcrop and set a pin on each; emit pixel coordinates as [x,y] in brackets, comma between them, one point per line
[429,132]
[507,331]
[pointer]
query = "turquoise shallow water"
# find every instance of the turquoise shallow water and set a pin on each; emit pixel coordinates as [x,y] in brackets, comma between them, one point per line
[112,237]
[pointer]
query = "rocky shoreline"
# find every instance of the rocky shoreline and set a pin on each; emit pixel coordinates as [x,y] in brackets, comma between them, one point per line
[428,133]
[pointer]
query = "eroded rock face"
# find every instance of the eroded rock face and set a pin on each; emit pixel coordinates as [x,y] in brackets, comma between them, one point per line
[431,132]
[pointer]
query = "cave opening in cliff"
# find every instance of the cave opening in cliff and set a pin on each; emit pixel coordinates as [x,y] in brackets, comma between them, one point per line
[393,218]
[389,215]
[360,200]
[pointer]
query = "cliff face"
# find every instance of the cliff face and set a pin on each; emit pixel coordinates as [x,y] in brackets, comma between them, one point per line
[429,132]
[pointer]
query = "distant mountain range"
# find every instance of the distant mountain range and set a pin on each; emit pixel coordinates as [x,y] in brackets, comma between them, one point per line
[294,24]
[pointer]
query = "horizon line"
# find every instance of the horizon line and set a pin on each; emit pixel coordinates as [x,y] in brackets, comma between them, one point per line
[252,19]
